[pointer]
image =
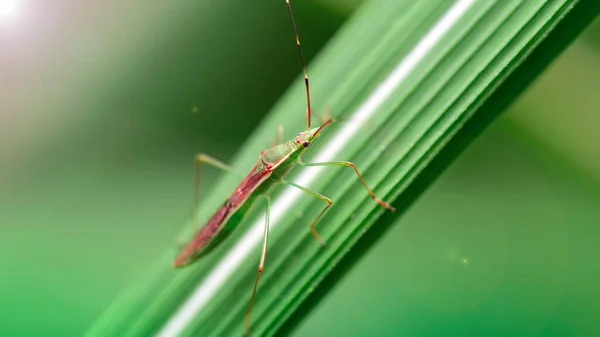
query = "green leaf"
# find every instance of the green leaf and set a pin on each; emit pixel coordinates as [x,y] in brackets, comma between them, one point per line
[412,83]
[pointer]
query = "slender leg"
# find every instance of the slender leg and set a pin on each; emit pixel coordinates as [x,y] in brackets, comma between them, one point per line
[326,115]
[261,264]
[204,158]
[279,139]
[279,133]
[313,223]
[199,160]
[350,164]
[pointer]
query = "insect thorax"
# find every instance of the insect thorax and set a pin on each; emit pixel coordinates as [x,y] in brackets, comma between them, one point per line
[279,153]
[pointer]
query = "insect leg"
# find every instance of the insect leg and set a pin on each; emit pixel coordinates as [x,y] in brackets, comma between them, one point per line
[199,159]
[261,264]
[279,133]
[350,164]
[313,223]
[326,115]
[279,139]
[206,159]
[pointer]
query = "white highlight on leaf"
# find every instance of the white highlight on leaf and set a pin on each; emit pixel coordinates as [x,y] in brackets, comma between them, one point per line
[216,279]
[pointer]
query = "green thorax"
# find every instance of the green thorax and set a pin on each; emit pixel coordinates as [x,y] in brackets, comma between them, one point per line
[281,158]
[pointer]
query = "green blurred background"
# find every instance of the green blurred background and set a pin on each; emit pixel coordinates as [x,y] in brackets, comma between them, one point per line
[103,105]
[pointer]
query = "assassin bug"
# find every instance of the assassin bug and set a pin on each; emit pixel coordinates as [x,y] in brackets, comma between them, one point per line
[272,166]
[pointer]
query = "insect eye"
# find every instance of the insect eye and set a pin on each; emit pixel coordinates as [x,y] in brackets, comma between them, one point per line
[305,143]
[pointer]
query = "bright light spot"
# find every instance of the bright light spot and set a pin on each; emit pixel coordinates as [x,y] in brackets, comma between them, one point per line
[8,8]
[465,261]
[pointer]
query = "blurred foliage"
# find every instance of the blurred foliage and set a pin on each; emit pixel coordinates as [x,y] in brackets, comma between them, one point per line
[98,130]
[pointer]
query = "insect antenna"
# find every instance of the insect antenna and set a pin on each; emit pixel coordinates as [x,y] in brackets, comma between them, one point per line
[322,126]
[308,111]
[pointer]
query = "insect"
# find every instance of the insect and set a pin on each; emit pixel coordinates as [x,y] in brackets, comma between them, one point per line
[271,168]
